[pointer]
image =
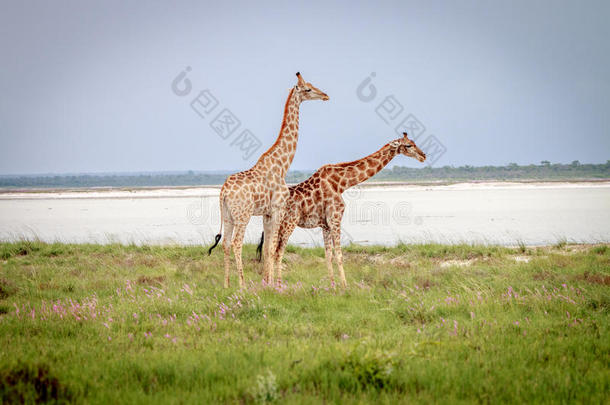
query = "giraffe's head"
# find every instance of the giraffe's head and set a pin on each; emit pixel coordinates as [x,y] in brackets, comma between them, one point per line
[307,91]
[408,148]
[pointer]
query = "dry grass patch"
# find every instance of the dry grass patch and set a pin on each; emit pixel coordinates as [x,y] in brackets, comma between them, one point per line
[149,280]
[594,278]
[457,263]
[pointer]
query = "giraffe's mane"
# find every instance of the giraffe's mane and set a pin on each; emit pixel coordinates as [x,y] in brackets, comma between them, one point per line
[277,141]
[355,162]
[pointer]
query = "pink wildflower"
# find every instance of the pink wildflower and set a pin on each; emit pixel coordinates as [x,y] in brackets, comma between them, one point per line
[187,289]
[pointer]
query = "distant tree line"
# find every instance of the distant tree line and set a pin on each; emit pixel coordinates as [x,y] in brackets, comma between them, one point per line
[512,171]
[544,171]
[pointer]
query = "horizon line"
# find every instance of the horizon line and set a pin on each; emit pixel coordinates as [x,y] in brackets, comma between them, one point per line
[230,171]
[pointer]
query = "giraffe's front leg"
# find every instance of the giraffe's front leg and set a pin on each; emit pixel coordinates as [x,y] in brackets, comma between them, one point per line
[335,232]
[336,236]
[268,232]
[328,255]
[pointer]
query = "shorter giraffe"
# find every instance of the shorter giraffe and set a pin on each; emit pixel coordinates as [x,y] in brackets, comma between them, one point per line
[317,201]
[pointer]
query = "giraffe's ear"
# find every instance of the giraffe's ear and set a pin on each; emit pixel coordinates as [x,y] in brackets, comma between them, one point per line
[395,144]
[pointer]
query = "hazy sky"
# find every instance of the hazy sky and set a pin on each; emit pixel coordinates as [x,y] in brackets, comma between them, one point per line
[87,86]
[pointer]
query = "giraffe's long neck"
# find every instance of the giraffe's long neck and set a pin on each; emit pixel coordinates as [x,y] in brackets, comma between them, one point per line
[352,173]
[279,156]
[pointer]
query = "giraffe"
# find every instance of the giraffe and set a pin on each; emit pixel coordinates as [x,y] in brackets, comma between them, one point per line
[317,201]
[262,190]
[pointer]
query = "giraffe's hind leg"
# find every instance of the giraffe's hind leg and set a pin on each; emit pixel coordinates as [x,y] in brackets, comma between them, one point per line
[286,229]
[238,240]
[226,246]
[272,225]
[240,215]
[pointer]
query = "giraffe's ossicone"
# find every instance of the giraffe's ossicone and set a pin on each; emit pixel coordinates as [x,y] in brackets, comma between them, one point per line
[262,190]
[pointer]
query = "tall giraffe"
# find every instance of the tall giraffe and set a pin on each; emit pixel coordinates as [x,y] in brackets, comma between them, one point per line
[262,190]
[317,201]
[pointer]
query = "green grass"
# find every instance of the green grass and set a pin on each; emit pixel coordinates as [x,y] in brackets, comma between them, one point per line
[418,323]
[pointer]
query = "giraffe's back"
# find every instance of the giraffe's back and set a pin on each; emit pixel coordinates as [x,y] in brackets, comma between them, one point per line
[252,192]
[310,198]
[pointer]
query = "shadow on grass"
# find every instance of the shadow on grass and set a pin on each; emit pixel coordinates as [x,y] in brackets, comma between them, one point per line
[31,383]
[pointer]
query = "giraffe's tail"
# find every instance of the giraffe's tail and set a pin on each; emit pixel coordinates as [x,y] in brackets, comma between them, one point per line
[259,248]
[216,240]
[219,235]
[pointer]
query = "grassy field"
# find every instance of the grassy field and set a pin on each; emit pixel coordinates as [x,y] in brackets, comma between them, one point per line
[425,323]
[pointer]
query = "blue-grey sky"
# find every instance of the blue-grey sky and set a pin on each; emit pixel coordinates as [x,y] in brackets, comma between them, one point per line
[86,86]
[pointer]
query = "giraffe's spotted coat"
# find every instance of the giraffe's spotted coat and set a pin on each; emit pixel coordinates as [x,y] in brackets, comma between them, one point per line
[262,190]
[317,202]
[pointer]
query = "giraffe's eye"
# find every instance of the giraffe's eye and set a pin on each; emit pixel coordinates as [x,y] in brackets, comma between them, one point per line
[308,90]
